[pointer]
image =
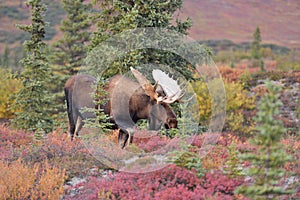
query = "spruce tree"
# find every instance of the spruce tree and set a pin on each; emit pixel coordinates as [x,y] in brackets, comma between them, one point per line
[256,44]
[33,101]
[256,49]
[70,51]
[118,16]
[267,162]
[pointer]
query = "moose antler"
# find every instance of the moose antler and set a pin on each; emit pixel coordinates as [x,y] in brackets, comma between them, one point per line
[169,85]
[145,83]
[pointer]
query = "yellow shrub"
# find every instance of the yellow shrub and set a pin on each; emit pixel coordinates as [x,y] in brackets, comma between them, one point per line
[8,86]
[237,123]
[41,181]
[238,102]
[238,98]
[204,101]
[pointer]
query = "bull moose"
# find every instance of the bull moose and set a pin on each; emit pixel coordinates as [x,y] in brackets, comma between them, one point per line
[128,101]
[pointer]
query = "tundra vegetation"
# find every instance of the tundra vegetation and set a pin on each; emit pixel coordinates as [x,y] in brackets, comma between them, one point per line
[256,156]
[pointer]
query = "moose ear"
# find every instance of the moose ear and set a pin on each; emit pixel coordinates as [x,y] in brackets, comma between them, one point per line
[145,84]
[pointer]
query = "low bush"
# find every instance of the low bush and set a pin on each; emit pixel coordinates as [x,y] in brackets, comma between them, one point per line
[17,138]
[14,144]
[229,74]
[56,148]
[290,61]
[21,181]
[216,158]
[8,86]
[240,105]
[151,144]
[59,150]
[259,77]
[171,182]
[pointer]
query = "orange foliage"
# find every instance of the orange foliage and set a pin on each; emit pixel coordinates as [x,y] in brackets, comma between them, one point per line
[50,184]
[40,181]
[229,74]
[215,159]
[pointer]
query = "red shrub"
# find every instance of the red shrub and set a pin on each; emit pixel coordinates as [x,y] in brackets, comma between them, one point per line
[56,148]
[59,144]
[16,137]
[5,152]
[171,182]
[152,143]
[14,143]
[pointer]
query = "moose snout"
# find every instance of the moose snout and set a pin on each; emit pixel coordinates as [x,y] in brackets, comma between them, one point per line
[171,123]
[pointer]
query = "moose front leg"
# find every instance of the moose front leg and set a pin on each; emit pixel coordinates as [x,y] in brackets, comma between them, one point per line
[124,138]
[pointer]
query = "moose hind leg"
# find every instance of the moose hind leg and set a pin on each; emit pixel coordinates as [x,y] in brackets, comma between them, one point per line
[72,126]
[71,115]
[79,125]
[71,130]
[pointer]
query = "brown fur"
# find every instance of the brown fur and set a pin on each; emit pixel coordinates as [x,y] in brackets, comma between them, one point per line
[121,90]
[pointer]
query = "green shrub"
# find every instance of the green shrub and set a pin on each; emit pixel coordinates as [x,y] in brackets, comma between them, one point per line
[234,168]
[189,160]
